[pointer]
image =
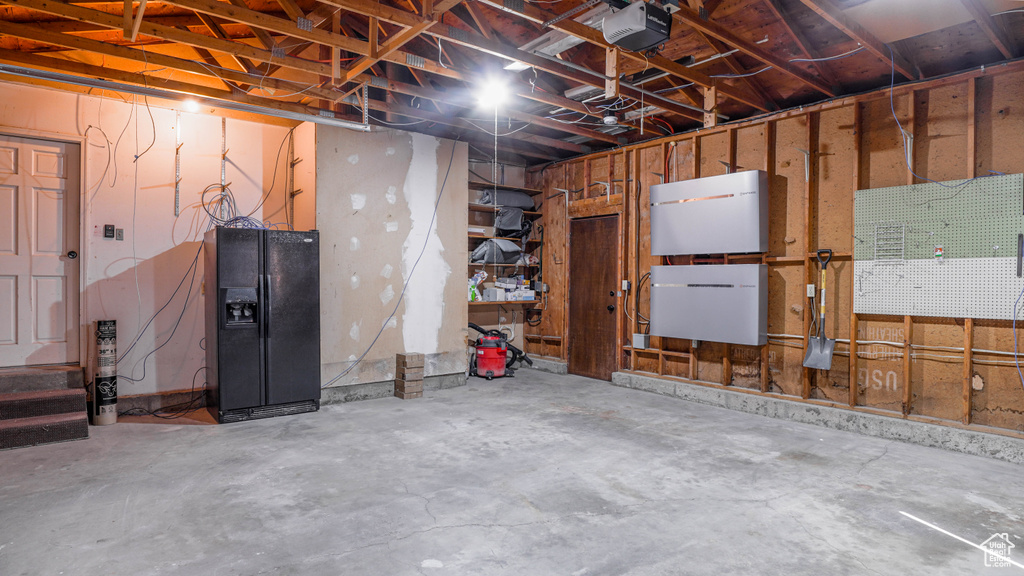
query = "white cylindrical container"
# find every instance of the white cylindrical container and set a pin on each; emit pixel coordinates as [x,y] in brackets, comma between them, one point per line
[105,384]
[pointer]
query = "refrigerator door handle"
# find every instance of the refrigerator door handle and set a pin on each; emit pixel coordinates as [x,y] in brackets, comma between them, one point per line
[267,304]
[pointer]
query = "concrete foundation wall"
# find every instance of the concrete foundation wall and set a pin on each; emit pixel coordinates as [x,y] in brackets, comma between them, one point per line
[935,435]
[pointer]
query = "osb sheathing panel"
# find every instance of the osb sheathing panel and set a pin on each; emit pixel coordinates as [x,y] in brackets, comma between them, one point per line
[939,117]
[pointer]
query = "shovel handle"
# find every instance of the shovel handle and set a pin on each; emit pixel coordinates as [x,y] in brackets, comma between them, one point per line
[828,256]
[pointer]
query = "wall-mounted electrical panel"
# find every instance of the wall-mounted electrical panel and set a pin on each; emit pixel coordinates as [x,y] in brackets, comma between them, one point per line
[725,214]
[721,303]
[951,250]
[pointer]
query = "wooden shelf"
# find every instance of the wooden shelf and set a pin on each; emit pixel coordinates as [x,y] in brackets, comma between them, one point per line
[506,265]
[504,302]
[490,209]
[516,240]
[485,186]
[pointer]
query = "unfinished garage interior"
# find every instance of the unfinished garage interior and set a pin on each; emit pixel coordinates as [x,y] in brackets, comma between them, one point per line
[567,287]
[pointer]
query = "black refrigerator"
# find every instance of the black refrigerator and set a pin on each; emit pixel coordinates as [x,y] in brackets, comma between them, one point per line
[262,322]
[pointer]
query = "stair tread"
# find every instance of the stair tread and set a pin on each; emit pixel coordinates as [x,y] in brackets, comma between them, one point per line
[41,394]
[47,420]
[33,378]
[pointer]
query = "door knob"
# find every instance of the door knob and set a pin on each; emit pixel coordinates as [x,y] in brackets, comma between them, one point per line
[611,307]
[72,254]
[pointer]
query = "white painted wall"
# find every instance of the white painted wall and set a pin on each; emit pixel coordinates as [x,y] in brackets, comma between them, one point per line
[129,281]
[375,201]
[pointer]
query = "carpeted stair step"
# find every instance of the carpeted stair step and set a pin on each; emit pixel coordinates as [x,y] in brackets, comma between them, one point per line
[21,432]
[36,378]
[41,403]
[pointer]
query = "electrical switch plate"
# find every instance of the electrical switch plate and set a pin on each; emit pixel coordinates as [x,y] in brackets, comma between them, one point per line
[810,290]
[119,233]
[108,230]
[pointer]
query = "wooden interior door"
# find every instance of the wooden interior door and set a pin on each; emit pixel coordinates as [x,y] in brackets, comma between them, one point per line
[39,245]
[593,277]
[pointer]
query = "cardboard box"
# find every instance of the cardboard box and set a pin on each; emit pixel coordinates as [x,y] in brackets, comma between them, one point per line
[494,295]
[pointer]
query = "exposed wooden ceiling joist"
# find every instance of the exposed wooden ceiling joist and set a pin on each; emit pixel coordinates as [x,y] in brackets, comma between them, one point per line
[690,17]
[807,49]
[595,37]
[835,16]
[990,28]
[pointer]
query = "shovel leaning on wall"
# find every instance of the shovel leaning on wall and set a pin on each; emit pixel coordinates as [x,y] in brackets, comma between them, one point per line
[819,348]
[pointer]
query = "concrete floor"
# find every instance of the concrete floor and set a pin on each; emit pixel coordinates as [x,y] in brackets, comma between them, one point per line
[536,475]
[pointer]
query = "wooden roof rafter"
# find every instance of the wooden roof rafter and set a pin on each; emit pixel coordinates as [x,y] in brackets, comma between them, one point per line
[886,52]
[997,35]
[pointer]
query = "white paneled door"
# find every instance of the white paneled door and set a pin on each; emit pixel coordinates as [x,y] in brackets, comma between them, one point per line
[39,245]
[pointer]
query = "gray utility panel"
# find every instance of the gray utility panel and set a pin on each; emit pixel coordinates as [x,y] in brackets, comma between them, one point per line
[721,303]
[725,214]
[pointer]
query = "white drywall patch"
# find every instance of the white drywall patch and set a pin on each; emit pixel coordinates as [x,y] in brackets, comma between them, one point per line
[424,296]
[391,226]
[353,244]
[386,271]
[387,294]
[390,151]
[391,195]
[391,323]
[354,281]
[353,159]
[358,201]
[353,332]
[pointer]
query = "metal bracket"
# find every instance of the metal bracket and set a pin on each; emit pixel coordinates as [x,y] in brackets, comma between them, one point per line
[807,164]
[728,167]
[304,24]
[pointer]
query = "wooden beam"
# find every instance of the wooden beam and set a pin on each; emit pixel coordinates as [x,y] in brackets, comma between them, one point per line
[336,52]
[215,28]
[37,34]
[461,37]
[752,83]
[835,16]
[806,48]
[908,351]
[169,33]
[534,14]
[611,72]
[265,39]
[292,9]
[996,34]
[258,19]
[107,73]
[710,107]
[380,11]
[126,17]
[477,14]
[968,372]
[374,28]
[138,21]
[691,18]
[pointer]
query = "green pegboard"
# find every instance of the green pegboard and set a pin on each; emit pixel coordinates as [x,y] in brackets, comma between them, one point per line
[968,222]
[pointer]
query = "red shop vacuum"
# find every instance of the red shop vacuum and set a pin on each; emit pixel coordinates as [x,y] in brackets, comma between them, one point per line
[494,356]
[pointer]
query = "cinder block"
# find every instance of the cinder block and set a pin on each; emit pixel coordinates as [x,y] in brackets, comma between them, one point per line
[408,395]
[409,360]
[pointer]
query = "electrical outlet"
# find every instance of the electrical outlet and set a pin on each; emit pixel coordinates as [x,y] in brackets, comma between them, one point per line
[625,285]
[810,290]
[119,234]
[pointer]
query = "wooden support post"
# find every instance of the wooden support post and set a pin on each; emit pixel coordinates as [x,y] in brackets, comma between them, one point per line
[586,179]
[374,38]
[138,21]
[564,344]
[335,51]
[692,368]
[854,322]
[611,71]
[909,139]
[622,333]
[732,150]
[711,106]
[810,229]
[908,390]
[968,368]
[769,167]
[727,365]
[972,127]
[696,156]
[127,17]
